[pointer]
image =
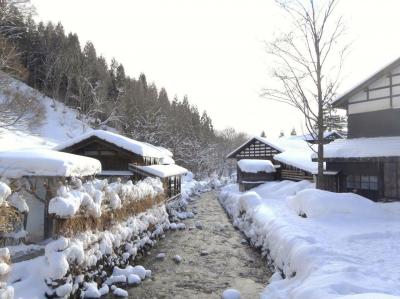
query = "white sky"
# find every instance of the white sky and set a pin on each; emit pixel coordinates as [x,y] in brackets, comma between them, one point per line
[213,51]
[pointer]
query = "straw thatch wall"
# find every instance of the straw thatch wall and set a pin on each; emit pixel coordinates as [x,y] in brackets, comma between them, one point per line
[68,227]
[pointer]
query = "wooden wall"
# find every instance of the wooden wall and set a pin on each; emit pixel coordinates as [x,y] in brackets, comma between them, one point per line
[374,124]
[256,149]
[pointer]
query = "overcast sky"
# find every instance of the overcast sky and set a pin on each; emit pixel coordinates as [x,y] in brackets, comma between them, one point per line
[213,50]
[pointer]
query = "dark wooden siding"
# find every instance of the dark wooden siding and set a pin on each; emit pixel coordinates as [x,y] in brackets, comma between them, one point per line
[291,173]
[374,124]
[357,169]
[110,156]
[255,177]
[256,150]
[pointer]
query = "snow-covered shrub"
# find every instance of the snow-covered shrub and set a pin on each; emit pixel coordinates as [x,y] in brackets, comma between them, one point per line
[94,196]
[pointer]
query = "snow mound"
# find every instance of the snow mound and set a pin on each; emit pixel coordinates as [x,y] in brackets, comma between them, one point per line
[318,203]
[254,166]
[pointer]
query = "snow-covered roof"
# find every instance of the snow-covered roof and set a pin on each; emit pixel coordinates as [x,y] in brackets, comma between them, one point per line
[254,166]
[309,137]
[297,151]
[294,150]
[134,146]
[162,171]
[45,162]
[298,158]
[363,148]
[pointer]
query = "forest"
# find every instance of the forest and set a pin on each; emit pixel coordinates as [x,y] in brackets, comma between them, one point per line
[55,62]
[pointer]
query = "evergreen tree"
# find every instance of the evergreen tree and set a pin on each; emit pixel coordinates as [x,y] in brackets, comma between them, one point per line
[293,132]
[263,134]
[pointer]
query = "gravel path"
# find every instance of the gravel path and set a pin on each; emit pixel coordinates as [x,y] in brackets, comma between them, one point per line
[214,258]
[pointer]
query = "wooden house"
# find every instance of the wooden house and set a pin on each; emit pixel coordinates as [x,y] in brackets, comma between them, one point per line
[114,151]
[36,175]
[290,156]
[368,162]
[123,157]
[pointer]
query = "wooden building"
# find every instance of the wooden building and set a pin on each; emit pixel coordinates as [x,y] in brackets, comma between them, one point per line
[36,175]
[290,156]
[170,175]
[122,157]
[368,162]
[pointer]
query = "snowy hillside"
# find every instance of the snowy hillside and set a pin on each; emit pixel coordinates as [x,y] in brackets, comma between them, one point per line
[59,123]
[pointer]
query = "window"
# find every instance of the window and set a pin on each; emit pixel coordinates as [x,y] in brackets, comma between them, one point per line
[364,182]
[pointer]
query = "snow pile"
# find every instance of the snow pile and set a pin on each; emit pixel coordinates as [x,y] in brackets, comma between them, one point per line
[90,252]
[5,192]
[91,197]
[17,201]
[6,292]
[43,162]
[319,203]
[320,244]
[254,166]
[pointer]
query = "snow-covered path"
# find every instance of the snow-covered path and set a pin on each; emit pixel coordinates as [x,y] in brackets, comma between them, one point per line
[227,263]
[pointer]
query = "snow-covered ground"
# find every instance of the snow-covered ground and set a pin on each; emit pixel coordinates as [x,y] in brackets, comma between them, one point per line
[322,245]
[59,123]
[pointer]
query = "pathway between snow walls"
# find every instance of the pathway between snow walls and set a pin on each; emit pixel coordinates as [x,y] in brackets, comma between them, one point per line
[213,257]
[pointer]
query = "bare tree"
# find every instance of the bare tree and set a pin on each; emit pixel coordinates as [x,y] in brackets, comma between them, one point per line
[308,63]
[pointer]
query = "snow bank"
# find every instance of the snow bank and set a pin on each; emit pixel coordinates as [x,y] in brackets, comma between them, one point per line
[318,203]
[346,247]
[254,166]
[88,251]
[44,162]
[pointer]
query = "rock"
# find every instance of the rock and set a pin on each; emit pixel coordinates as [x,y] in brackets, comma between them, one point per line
[148,273]
[181,226]
[199,225]
[134,279]
[243,241]
[231,294]
[160,256]
[177,259]
[204,253]
[120,292]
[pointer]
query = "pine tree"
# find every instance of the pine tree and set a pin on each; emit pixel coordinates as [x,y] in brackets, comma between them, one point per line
[263,134]
[293,132]
[281,134]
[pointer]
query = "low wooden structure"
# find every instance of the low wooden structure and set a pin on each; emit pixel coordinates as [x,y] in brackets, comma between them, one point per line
[123,157]
[37,175]
[170,176]
[115,152]
[368,162]
[279,152]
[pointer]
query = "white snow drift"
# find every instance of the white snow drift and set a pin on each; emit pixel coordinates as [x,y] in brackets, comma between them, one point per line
[322,244]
